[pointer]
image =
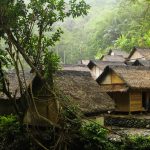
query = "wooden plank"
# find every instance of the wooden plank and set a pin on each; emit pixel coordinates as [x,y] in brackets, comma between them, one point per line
[115,79]
[136,101]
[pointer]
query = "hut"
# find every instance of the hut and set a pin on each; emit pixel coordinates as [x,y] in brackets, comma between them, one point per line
[44,102]
[128,86]
[84,92]
[97,66]
[139,53]
[112,58]
[118,52]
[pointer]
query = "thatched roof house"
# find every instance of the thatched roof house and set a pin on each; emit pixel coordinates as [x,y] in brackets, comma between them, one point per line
[129,86]
[97,66]
[118,52]
[139,53]
[78,85]
[112,58]
[115,55]
[23,103]
[84,91]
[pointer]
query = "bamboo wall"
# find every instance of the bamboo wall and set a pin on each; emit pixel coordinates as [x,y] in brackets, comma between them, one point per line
[136,101]
[112,78]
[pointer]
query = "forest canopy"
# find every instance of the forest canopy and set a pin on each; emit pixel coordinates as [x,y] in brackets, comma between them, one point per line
[110,24]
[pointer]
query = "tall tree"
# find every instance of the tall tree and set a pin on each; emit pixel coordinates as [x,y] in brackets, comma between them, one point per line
[28,29]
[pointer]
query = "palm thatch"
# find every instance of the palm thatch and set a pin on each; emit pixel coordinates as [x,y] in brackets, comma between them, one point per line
[84,91]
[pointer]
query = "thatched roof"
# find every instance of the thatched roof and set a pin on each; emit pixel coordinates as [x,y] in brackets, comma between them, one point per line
[135,77]
[78,85]
[129,63]
[102,64]
[145,52]
[83,91]
[140,62]
[13,83]
[75,67]
[113,58]
[118,52]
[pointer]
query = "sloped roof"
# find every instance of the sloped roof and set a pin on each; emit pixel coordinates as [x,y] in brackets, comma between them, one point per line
[145,52]
[75,67]
[118,52]
[135,77]
[78,85]
[83,91]
[113,58]
[102,64]
[12,79]
[140,62]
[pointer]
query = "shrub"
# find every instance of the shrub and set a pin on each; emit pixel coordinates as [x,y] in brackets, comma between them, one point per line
[93,136]
[136,143]
[11,134]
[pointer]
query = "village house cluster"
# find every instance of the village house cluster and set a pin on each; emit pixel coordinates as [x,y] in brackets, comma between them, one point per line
[126,80]
[118,82]
[123,77]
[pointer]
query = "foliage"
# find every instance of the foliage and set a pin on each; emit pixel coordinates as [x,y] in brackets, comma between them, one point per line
[130,27]
[28,28]
[79,40]
[136,143]
[11,135]
[94,136]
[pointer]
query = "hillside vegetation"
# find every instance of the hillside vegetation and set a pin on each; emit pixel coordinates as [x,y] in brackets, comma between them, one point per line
[109,24]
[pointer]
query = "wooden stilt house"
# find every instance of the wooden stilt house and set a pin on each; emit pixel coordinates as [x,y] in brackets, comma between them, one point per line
[128,86]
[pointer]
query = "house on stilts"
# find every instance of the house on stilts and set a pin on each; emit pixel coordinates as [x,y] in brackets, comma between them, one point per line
[128,86]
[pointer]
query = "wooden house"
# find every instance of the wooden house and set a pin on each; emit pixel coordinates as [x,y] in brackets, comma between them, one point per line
[97,66]
[128,86]
[139,53]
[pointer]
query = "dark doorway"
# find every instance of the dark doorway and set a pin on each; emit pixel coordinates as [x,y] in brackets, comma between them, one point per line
[146,100]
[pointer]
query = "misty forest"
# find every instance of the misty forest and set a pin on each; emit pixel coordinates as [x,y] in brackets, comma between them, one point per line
[74,74]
